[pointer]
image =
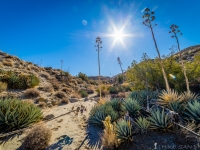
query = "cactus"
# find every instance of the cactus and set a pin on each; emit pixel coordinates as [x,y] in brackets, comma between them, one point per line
[16,114]
[132,106]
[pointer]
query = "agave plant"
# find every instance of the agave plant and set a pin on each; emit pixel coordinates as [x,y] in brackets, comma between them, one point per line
[159,120]
[176,106]
[100,112]
[124,132]
[132,106]
[16,114]
[168,96]
[188,96]
[192,111]
[116,104]
[143,124]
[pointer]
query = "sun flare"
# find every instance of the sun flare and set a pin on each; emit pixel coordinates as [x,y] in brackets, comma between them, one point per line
[118,35]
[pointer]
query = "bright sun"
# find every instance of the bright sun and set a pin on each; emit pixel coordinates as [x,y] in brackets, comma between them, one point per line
[118,35]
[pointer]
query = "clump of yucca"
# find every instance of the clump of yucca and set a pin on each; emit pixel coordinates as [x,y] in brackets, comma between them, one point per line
[16,114]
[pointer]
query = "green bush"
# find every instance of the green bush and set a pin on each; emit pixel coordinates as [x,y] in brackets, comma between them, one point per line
[16,114]
[100,112]
[83,93]
[83,77]
[18,80]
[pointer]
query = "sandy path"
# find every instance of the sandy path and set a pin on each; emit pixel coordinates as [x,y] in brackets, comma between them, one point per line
[68,131]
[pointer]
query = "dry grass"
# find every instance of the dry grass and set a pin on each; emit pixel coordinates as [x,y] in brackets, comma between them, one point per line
[38,138]
[101,101]
[8,62]
[75,95]
[46,88]
[55,102]
[65,100]
[45,75]
[35,68]
[60,94]
[121,95]
[31,93]
[67,90]
[42,104]
[3,86]
[55,83]
[90,89]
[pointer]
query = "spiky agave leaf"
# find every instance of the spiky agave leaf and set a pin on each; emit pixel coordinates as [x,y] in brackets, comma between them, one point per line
[16,114]
[176,106]
[192,111]
[100,112]
[168,96]
[132,106]
[159,120]
[188,96]
[116,104]
[124,132]
[142,123]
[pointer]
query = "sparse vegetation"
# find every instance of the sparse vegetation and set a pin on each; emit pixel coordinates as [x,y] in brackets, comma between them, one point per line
[60,94]
[3,86]
[38,138]
[83,93]
[16,114]
[31,93]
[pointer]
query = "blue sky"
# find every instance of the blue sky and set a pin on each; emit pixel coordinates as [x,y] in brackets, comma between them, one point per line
[48,31]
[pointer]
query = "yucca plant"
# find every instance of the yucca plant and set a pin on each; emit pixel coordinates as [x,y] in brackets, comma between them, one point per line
[192,111]
[100,112]
[124,132]
[168,96]
[143,124]
[16,114]
[159,120]
[188,96]
[132,106]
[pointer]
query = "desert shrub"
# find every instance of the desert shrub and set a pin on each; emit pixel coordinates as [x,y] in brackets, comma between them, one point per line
[45,75]
[65,100]
[55,102]
[100,112]
[66,90]
[104,90]
[8,62]
[113,90]
[75,95]
[132,106]
[83,77]
[55,83]
[47,88]
[35,68]
[83,93]
[121,95]
[3,86]
[38,138]
[120,79]
[42,104]
[60,94]
[16,114]
[31,93]
[108,137]
[124,132]
[17,80]
[159,120]
[90,90]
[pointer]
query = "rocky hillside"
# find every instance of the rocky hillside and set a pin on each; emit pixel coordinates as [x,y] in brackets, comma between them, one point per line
[45,86]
